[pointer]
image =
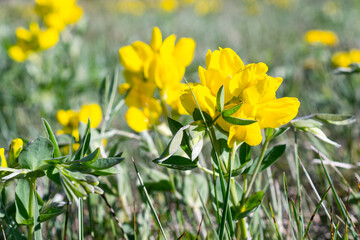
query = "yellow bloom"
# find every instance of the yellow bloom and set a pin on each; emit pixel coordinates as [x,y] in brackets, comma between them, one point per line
[161,62]
[328,38]
[70,119]
[344,59]
[143,112]
[341,59]
[2,157]
[32,40]
[57,14]
[16,147]
[92,112]
[247,85]
[169,5]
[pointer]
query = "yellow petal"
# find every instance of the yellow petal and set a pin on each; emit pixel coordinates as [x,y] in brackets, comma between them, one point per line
[48,38]
[93,112]
[184,51]
[156,39]
[130,59]
[55,21]
[67,118]
[23,34]
[2,156]
[205,99]
[229,61]
[278,112]
[17,53]
[143,50]
[251,134]
[136,119]
[168,46]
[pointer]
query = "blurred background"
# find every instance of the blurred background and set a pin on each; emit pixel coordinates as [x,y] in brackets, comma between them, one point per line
[69,74]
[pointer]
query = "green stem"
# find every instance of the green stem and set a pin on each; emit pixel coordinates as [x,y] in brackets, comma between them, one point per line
[253,177]
[31,210]
[247,189]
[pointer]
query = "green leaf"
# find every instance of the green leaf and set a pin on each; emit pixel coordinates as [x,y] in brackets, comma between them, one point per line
[33,155]
[307,123]
[22,193]
[230,111]
[220,99]
[52,138]
[173,145]
[92,157]
[245,153]
[240,170]
[85,142]
[238,121]
[317,132]
[104,163]
[175,126]
[197,149]
[177,162]
[270,158]
[197,116]
[336,119]
[250,206]
[279,131]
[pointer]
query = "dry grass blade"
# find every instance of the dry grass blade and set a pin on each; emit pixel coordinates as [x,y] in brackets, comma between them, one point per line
[315,211]
[198,233]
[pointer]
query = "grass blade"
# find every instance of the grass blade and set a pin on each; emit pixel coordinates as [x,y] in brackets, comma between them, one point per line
[149,201]
[207,214]
[315,211]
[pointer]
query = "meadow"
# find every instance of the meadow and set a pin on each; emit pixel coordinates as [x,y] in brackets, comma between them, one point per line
[179,119]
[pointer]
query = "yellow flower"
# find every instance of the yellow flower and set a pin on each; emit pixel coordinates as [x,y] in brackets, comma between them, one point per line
[247,85]
[169,5]
[2,157]
[70,119]
[16,147]
[92,112]
[328,38]
[160,64]
[57,14]
[143,112]
[32,40]
[341,59]
[344,59]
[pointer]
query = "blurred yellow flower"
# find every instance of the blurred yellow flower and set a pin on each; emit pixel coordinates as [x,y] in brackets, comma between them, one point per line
[2,157]
[147,67]
[57,14]
[15,148]
[344,59]
[248,86]
[328,38]
[168,5]
[32,40]
[70,119]
[92,112]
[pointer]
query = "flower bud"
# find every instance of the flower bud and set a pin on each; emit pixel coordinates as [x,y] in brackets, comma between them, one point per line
[16,147]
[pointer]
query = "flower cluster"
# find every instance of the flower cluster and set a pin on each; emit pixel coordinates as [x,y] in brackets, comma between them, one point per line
[137,7]
[55,15]
[323,37]
[70,119]
[32,40]
[147,68]
[15,148]
[245,86]
[344,59]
